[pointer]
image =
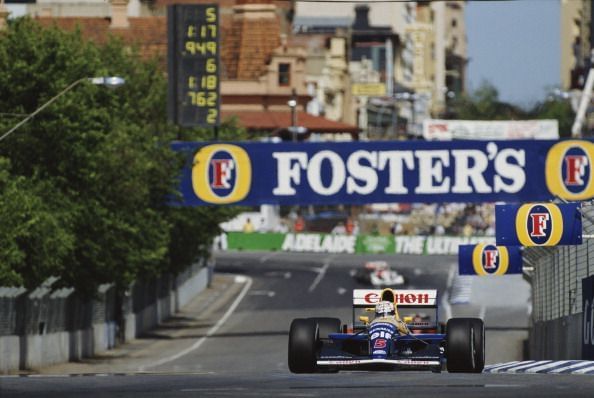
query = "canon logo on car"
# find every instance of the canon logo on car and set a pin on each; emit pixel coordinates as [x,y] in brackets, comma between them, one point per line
[402,298]
[422,298]
[367,297]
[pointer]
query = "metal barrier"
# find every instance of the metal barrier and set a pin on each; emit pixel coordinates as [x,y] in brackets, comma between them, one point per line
[557,293]
[46,326]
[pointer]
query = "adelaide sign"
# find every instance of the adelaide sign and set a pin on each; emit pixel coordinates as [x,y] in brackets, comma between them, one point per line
[387,171]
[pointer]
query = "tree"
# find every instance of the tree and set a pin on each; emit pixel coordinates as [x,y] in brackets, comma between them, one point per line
[98,160]
[556,109]
[35,238]
[484,104]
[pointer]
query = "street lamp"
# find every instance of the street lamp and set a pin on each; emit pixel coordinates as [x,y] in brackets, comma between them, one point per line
[108,81]
[293,105]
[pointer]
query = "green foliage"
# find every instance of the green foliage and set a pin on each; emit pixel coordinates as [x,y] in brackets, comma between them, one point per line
[85,193]
[484,104]
[556,109]
[35,236]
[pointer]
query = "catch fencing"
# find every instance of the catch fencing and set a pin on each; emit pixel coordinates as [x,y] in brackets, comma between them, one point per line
[556,277]
[46,326]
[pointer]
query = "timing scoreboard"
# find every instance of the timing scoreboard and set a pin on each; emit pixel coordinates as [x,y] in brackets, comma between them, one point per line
[193,65]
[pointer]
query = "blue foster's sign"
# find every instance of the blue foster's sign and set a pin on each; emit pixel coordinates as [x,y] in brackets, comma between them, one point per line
[538,224]
[387,171]
[488,259]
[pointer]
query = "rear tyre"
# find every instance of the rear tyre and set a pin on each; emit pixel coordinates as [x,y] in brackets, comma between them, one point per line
[327,326]
[303,338]
[465,339]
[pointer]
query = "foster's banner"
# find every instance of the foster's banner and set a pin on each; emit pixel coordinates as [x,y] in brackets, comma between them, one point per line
[386,171]
[487,259]
[538,224]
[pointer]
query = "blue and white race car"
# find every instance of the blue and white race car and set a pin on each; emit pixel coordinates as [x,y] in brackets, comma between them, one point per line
[324,344]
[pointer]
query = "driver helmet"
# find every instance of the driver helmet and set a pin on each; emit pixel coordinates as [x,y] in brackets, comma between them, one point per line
[384,308]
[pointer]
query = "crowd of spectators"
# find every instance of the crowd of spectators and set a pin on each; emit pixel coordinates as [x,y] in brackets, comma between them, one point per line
[458,219]
[453,219]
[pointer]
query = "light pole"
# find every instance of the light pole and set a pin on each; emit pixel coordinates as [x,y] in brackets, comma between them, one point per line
[293,105]
[109,81]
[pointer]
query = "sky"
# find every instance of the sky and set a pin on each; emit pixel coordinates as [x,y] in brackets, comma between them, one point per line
[514,45]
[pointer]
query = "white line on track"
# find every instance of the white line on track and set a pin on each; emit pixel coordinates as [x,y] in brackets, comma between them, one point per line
[269,293]
[212,331]
[268,257]
[285,275]
[321,273]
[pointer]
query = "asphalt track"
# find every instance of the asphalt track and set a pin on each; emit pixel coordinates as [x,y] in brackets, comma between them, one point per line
[246,354]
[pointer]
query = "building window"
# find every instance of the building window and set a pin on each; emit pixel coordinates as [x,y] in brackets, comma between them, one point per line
[284,74]
[454,23]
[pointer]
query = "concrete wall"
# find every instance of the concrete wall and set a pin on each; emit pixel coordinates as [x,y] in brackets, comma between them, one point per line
[558,339]
[31,351]
[165,307]
[9,356]
[188,289]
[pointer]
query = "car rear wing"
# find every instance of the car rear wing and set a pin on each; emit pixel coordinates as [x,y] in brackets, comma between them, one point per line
[409,302]
[402,297]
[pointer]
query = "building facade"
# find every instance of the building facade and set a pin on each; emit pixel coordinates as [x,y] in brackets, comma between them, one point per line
[426,66]
[383,66]
[576,42]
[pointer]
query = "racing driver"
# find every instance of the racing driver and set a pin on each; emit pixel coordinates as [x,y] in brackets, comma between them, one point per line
[385,312]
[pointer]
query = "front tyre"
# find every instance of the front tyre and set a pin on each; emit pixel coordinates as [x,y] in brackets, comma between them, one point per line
[303,338]
[465,339]
[327,326]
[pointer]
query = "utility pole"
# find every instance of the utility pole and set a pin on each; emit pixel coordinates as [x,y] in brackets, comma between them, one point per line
[293,105]
[576,129]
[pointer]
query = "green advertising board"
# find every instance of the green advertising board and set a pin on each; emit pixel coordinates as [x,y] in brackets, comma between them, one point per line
[375,244]
[327,243]
[266,241]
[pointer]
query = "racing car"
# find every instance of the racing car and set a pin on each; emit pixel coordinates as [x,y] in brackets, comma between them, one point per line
[325,345]
[378,274]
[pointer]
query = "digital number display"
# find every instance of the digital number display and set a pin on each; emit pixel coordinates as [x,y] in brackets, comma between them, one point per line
[193,65]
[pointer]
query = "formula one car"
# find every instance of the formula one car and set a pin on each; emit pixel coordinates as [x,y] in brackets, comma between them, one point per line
[378,274]
[324,345]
